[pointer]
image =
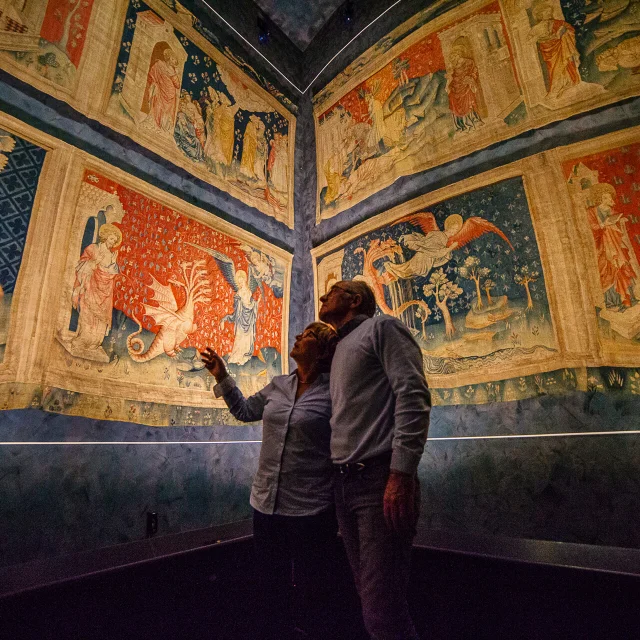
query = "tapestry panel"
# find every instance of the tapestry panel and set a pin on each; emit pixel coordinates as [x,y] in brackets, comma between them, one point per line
[149,283]
[463,269]
[480,73]
[155,76]
[112,288]
[46,40]
[177,95]
[602,178]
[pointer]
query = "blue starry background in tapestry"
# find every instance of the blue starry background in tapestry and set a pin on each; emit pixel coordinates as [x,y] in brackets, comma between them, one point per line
[481,304]
[20,166]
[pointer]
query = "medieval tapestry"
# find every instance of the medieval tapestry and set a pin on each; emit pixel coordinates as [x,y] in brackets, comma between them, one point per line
[32,173]
[468,271]
[602,178]
[149,283]
[57,45]
[480,73]
[179,96]
[230,49]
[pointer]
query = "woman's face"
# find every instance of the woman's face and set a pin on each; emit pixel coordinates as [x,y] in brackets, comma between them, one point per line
[306,347]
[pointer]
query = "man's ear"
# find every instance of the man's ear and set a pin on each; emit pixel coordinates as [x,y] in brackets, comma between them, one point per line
[356,301]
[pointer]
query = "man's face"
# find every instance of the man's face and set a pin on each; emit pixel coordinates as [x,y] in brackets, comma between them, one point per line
[336,303]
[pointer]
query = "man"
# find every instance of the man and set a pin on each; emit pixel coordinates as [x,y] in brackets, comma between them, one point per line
[381,406]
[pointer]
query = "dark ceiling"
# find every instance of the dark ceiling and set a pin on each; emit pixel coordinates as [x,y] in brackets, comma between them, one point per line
[300,20]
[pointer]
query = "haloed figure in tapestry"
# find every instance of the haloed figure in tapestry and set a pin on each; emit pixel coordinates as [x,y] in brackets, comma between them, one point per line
[93,292]
[161,95]
[556,40]
[618,268]
[292,494]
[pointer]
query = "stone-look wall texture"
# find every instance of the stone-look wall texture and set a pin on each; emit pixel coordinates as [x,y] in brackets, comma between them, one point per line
[305,184]
[573,488]
[57,499]
[62,499]
[582,490]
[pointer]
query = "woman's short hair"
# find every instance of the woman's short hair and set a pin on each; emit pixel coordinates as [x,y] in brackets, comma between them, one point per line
[327,338]
[361,288]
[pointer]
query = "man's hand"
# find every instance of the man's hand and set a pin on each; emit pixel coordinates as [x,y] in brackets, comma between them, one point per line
[214,364]
[400,501]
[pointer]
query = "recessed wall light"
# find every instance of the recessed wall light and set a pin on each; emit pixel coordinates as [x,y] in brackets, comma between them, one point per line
[347,15]
[264,33]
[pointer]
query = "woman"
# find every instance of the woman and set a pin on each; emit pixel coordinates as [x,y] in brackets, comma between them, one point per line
[294,521]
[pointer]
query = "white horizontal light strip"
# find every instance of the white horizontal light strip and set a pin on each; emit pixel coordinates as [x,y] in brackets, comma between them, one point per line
[503,437]
[204,2]
[541,435]
[44,444]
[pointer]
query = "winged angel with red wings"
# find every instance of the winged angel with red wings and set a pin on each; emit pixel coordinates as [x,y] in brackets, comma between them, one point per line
[434,247]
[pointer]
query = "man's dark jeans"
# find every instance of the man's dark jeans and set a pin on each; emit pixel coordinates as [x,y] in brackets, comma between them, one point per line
[296,559]
[379,558]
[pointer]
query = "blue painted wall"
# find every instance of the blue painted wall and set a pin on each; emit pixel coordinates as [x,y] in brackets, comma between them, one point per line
[574,488]
[57,499]
[65,499]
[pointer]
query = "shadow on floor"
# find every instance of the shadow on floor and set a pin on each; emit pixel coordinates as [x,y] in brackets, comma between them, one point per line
[211,594]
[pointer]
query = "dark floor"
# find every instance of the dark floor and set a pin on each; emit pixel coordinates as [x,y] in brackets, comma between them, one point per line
[211,595]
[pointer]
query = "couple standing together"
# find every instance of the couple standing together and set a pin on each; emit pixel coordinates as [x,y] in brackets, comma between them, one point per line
[342,435]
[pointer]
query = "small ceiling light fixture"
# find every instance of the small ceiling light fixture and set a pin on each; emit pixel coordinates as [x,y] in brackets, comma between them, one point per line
[264,33]
[347,15]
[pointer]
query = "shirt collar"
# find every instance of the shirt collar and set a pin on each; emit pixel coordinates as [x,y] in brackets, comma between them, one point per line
[354,323]
[322,377]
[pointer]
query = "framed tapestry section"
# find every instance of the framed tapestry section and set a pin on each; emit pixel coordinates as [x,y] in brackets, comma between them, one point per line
[122,287]
[151,72]
[519,282]
[438,88]
[602,188]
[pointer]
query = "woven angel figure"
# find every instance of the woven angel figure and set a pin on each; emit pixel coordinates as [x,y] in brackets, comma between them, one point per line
[433,248]
[264,270]
[245,306]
